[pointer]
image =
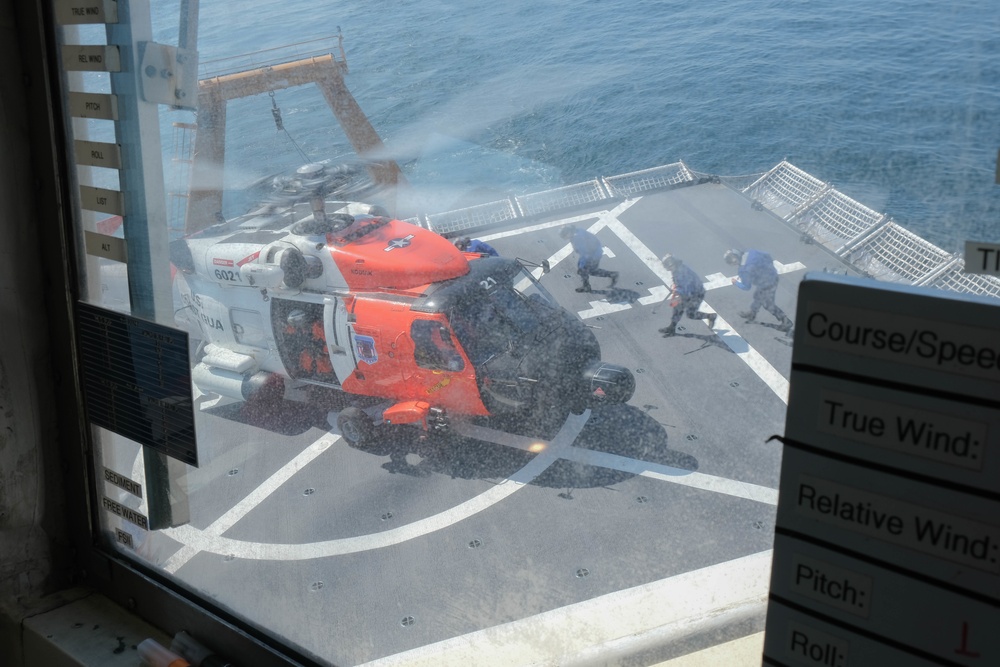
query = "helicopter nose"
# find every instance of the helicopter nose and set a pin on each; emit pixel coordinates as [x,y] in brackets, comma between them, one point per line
[608,384]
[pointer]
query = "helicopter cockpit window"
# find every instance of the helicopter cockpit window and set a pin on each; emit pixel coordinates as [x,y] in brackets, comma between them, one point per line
[433,346]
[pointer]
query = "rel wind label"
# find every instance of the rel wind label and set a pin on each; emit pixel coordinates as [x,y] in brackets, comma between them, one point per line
[932,532]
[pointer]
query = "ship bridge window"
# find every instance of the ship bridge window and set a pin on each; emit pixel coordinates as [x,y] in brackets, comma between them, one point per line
[572,464]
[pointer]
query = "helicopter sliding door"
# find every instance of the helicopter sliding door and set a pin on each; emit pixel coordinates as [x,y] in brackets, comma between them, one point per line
[300,332]
[338,336]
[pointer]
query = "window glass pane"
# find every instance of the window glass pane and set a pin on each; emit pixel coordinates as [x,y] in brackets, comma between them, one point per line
[404,448]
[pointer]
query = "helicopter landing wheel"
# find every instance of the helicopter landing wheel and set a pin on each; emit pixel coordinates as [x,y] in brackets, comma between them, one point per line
[355,426]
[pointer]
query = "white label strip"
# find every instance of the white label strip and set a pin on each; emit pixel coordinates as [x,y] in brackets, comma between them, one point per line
[93,105]
[108,247]
[79,12]
[91,58]
[100,199]
[982,257]
[98,154]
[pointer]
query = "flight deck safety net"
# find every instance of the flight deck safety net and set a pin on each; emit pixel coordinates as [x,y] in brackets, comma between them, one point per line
[866,239]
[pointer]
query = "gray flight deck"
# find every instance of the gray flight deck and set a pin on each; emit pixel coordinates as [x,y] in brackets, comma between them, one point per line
[355,555]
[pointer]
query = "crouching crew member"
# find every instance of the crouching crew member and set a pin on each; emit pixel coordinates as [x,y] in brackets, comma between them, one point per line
[465,244]
[757,272]
[686,297]
[589,250]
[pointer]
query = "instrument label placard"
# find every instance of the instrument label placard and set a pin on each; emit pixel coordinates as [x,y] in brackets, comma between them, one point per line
[101,106]
[832,585]
[939,346]
[101,199]
[123,482]
[98,154]
[930,435]
[129,515]
[982,257]
[91,58]
[79,12]
[953,538]
[108,247]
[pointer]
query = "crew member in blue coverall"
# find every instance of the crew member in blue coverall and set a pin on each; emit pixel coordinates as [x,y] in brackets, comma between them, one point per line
[687,295]
[757,271]
[589,249]
[465,244]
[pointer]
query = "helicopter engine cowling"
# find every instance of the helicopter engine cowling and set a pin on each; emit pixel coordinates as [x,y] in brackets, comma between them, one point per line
[231,384]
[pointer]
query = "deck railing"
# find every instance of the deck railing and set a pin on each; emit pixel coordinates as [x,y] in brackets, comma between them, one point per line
[868,240]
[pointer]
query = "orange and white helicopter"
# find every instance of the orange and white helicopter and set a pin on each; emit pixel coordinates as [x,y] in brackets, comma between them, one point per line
[323,295]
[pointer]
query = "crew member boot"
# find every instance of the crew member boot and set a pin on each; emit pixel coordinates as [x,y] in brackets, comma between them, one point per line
[669,331]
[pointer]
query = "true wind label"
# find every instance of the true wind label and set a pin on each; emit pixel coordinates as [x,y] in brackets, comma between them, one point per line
[953,538]
[920,433]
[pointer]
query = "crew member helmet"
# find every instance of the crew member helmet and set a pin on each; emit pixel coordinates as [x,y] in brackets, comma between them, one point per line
[567,231]
[462,243]
[669,261]
[733,256]
[297,318]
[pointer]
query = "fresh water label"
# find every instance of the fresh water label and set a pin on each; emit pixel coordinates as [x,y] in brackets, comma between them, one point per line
[929,435]
[832,585]
[126,513]
[982,257]
[929,344]
[808,646]
[932,532]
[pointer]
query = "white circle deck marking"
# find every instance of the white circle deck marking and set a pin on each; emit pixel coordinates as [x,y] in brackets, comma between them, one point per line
[210,539]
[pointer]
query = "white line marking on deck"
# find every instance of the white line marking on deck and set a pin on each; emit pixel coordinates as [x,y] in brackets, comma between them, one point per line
[211,538]
[751,357]
[256,497]
[696,480]
[622,623]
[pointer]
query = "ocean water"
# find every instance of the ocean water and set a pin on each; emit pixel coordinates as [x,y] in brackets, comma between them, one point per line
[896,103]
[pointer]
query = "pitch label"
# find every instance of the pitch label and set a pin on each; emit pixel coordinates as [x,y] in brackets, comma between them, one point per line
[831,585]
